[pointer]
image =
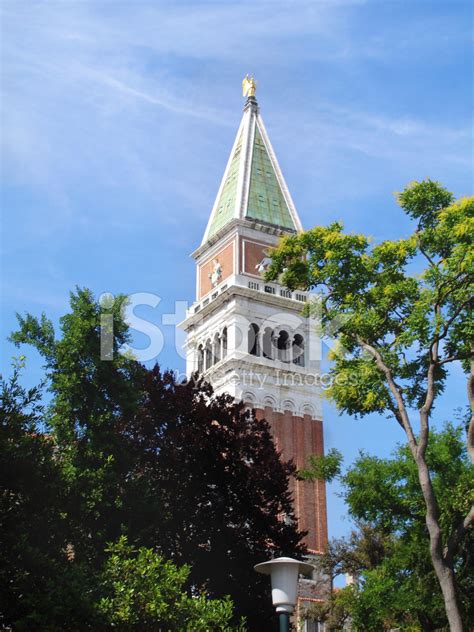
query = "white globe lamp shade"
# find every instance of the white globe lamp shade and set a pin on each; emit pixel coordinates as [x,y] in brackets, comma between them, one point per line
[284,572]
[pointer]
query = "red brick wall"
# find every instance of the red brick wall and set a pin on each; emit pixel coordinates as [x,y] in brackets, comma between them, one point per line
[251,255]
[297,438]
[225,257]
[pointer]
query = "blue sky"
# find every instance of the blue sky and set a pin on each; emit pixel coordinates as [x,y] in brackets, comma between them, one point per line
[118,118]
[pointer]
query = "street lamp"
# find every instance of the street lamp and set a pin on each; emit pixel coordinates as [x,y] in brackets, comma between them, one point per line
[284,573]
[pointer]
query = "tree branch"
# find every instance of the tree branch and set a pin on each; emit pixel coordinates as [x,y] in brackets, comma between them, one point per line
[433,356]
[430,389]
[432,263]
[457,535]
[404,419]
[448,323]
[453,358]
[460,274]
[396,413]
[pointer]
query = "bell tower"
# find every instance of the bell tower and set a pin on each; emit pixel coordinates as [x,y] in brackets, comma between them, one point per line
[248,337]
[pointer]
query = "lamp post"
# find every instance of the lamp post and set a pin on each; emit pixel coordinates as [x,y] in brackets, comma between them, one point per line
[284,573]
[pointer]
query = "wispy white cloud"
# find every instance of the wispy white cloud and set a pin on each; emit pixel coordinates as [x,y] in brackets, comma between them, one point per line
[384,136]
[159,97]
[30,296]
[136,95]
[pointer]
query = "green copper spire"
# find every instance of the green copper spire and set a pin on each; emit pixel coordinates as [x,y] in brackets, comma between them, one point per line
[253,186]
[225,208]
[266,201]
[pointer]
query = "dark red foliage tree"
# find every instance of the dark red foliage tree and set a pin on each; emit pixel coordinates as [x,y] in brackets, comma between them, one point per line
[208,487]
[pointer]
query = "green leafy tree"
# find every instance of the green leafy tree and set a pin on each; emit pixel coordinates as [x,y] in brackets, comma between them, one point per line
[145,592]
[40,588]
[89,396]
[403,311]
[385,492]
[388,552]
[335,611]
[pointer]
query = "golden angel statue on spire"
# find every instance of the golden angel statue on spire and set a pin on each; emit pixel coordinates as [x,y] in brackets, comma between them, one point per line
[249,86]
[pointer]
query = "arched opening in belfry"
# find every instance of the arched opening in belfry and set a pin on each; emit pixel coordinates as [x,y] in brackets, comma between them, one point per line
[224,343]
[216,348]
[254,340]
[283,346]
[208,355]
[298,350]
[267,343]
[200,359]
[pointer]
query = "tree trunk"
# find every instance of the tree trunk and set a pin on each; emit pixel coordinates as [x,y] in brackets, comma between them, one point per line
[443,569]
[447,582]
[442,564]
